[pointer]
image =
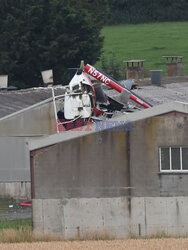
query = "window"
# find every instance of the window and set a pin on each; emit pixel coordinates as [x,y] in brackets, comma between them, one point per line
[173,159]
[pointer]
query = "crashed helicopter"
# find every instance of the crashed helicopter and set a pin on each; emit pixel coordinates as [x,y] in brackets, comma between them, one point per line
[86,101]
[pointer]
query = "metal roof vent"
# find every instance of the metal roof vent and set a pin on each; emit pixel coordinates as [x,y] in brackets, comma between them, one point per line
[47,77]
[3,81]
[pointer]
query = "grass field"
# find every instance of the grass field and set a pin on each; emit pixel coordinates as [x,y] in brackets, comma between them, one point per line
[18,235]
[147,41]
[139,244]
[15,224]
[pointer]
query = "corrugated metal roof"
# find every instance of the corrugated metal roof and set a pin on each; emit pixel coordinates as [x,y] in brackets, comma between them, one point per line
[13,101]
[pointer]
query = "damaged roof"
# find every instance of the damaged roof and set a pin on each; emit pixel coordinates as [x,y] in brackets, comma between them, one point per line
[13,101]
[159,94]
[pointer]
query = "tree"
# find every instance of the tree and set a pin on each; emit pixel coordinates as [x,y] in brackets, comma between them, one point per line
[39,34]
[98,9]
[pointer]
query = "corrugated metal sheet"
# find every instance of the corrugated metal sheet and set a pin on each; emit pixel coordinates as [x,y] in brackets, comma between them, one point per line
[12,101]
[14,159]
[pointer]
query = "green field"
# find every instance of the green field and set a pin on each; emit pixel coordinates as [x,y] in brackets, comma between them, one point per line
[16,224]
[147,41]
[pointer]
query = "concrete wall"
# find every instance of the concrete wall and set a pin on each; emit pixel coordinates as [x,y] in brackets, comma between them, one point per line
[110,180]
[76,216]
[79,217]
[89,166]
[16,190]
[145,139]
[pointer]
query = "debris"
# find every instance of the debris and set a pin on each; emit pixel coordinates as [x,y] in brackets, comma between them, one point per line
[26,203]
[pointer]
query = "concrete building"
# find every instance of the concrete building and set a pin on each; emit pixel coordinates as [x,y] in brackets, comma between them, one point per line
[129,177]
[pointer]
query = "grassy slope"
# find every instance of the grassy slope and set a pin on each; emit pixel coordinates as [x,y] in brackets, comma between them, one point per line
[147,41]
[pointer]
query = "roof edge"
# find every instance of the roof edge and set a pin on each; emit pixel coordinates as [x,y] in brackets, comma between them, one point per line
[73,134]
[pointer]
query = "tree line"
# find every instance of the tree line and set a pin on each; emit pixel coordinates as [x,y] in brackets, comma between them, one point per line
[144,11]
[36,35]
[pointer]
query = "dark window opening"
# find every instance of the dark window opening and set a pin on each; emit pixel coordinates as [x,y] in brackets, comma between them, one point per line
[185,158]
[165,158]
[175,156]
[173,159]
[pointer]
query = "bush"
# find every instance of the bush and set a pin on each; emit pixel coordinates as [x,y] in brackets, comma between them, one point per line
[113,67]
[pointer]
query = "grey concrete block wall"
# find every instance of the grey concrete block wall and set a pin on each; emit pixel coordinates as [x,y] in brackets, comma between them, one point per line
[159,216]
[79,217]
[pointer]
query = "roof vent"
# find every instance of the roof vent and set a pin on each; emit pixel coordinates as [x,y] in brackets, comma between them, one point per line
[3,81]
[47,76]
